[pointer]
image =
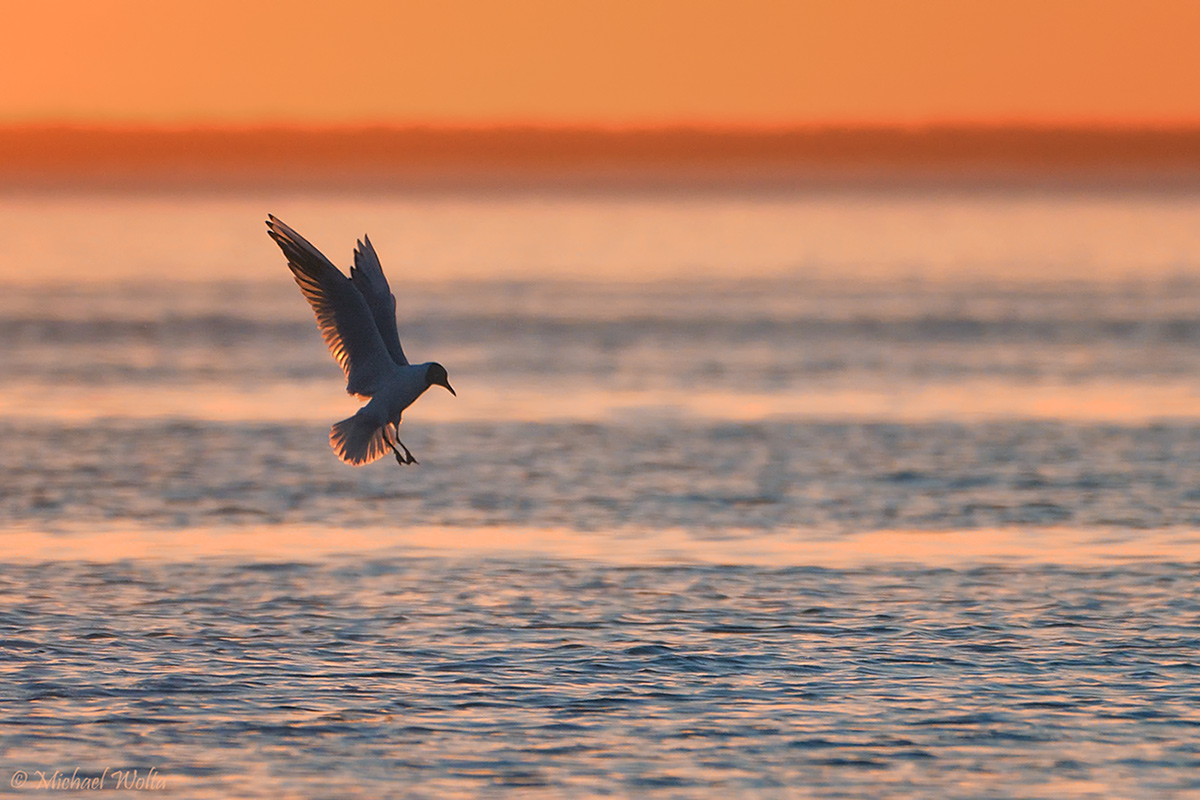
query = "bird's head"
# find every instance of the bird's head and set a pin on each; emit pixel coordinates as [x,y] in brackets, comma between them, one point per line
[436,375]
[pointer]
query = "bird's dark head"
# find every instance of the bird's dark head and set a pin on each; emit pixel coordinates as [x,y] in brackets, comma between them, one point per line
[436,375]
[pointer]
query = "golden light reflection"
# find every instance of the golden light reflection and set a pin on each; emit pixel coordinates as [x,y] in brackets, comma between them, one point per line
[782,548]
[321,401]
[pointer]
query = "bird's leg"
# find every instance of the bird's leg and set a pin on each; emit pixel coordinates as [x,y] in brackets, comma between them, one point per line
[407,458]
[391,441]
[407,454]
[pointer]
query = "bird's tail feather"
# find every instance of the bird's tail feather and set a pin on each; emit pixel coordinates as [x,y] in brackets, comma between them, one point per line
[358,441]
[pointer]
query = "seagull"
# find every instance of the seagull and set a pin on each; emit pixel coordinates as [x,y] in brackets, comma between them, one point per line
[357,318]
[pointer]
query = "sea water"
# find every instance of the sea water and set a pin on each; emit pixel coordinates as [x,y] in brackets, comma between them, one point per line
[829,494]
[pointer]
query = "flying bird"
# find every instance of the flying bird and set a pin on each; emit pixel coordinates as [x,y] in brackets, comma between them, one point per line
[357,318]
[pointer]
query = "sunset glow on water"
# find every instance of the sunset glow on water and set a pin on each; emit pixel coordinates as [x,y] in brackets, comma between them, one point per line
[835,494]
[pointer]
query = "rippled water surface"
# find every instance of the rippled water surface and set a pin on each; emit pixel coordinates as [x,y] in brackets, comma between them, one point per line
[841,495]
[455,678]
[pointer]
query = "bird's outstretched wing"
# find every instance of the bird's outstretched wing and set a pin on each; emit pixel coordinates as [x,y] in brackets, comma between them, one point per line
[368,278]
[343,317]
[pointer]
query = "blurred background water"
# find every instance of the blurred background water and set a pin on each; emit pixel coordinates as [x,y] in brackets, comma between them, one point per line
[834,493]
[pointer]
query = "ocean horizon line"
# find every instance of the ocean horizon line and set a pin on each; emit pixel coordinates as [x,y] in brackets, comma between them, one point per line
[55,155]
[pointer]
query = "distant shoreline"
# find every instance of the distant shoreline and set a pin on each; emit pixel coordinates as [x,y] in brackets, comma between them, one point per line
[50,157]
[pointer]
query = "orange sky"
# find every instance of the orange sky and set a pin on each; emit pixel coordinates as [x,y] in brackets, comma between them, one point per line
[610,62]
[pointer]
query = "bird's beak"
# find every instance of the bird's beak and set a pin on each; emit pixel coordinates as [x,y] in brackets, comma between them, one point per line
[450,388]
